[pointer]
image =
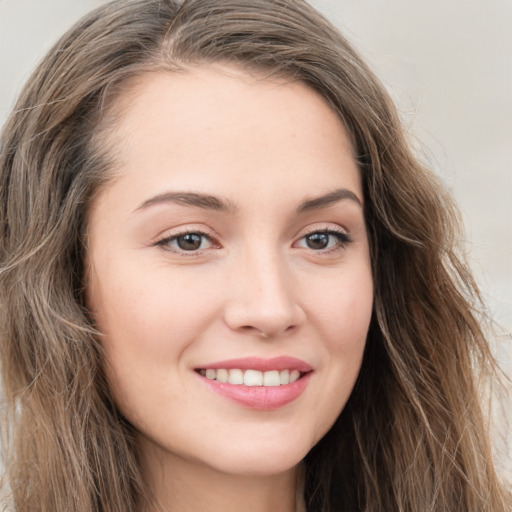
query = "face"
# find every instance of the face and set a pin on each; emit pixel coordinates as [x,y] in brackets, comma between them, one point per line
[229,269]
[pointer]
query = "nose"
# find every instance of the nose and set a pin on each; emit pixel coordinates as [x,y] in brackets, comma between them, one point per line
[263,298]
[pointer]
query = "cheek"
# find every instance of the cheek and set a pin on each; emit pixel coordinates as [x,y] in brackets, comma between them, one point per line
[149,318]
[352,312]
[147,310]
[139,341]
[342,316]
[342,309]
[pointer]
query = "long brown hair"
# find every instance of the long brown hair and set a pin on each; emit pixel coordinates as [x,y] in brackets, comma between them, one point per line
[412,436]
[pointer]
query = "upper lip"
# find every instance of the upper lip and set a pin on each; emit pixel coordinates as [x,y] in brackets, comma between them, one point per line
[261,364]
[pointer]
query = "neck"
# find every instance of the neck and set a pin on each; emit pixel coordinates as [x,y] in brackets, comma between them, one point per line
[179,485]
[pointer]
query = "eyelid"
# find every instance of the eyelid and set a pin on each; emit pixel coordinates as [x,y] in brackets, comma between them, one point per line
[164,240]
[343,236]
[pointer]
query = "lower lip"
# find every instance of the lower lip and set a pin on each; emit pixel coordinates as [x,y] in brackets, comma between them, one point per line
[264,398]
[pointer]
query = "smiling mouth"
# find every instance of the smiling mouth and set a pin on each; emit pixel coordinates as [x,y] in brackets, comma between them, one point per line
[257,383]
[252,378]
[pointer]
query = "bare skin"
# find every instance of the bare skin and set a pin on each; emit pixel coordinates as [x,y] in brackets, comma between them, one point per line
[234,231]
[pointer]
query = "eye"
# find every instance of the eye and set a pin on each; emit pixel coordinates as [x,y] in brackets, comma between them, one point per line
[324,240]
[186,242]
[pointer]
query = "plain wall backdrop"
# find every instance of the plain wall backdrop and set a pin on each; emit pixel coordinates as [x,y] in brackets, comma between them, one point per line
[447,64]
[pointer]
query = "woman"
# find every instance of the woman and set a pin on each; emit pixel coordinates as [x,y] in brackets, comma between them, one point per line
[226,279]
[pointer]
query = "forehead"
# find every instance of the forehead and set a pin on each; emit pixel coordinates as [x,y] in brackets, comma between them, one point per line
[219,127]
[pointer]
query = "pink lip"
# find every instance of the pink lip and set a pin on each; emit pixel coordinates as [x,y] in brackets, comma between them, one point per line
[260,397]
[263,365]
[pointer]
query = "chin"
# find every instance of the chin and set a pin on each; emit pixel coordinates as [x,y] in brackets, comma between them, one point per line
[260,458]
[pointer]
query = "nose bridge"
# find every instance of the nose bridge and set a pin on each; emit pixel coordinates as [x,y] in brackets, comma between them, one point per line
[263,300]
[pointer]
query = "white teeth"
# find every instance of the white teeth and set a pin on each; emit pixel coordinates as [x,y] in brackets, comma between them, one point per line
[294,375]
[236,376]
[222,375]
[271,378]
[253,378]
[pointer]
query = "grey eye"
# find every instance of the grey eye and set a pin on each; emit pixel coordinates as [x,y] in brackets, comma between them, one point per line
[189,241]
[322,240]
[318,240]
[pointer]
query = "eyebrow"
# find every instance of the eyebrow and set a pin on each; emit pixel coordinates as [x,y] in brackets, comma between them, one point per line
[209,202]
[204,201]
[317,203]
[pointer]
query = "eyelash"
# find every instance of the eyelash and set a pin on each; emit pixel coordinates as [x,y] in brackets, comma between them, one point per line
[164,242]
[343,239]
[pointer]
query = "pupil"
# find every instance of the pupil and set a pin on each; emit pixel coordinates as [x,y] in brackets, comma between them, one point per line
[189,242]
[317,241]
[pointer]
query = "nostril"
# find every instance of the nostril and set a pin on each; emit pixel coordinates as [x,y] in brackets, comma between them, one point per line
[268,322]
[255,331]
[266,334]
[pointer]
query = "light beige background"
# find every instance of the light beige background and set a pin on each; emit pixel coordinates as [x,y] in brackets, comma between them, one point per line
[447,63]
